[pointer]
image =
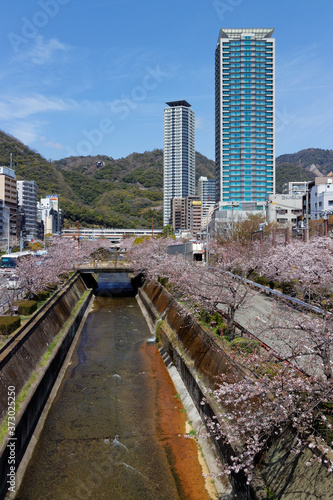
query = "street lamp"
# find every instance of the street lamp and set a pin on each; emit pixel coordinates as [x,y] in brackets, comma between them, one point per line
[307,229]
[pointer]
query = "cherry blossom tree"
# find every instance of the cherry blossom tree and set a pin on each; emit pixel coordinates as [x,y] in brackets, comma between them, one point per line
[261,403]
[127,243]
[149,256]
[213,289]
[299,337]
[38,272]
[269,392]
[308,265]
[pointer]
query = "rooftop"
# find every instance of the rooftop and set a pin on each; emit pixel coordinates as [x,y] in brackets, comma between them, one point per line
[237,33]
[173,104]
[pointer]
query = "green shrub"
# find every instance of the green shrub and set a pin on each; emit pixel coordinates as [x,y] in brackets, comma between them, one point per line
[262,280]
[205,316]
[52,287]
[246,346]
[8,324]
[288,288]
[252,275]
[26,307]
[217,317]
[163,281]
[40,296]
[222,330]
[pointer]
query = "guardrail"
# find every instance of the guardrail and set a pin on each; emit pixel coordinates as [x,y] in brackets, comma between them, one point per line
[5,305]
[115,264]
[271,291]
[56,294]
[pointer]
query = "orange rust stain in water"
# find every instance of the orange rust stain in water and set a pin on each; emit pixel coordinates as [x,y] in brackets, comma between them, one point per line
[182,452]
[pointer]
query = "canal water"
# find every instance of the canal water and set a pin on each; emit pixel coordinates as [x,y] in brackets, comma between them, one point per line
[115,429]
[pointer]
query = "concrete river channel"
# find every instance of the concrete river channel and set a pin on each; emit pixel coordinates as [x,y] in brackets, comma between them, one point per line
[115,429]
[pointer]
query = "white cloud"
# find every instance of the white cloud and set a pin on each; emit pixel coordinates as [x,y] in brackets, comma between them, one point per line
[24,131]
[43,51]
[22,107]
[199,123]
[53,144]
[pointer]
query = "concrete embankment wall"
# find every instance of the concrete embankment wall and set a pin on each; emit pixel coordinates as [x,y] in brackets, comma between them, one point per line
[199,359]
[23,358]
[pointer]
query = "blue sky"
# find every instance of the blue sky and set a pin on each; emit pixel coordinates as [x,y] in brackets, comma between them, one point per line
[83,77]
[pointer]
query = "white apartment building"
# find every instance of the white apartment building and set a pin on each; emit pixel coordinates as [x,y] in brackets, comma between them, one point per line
[50,214]
[286,207]
[206,192]
[321,197]
[179,154]
[27,201]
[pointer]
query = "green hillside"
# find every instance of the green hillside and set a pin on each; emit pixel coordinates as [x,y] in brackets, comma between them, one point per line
[288,172]
[99,190]
[322,158]
[128,192]
[30,165]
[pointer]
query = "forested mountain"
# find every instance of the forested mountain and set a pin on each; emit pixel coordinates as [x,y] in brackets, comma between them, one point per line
[287,172]
[99,190]
[30,165]
[128,192]
[321,158]
[303,166]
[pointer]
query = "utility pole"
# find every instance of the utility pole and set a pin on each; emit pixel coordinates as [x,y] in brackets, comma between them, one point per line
[233,205]
[307,229]
[78,235]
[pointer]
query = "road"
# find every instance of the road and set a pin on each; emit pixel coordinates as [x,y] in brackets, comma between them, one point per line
[7,296]
[259,312]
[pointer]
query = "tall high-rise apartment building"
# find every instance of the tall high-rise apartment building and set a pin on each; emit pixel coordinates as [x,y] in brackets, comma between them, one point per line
[27,201]
[179,154]
[244,118]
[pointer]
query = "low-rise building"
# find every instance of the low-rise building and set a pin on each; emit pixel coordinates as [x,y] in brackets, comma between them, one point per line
[320,197]
[49,213]
[206,192]
[286,208]
[8,194]
[186,214]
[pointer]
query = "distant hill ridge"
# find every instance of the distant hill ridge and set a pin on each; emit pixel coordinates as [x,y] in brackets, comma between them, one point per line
[128,192]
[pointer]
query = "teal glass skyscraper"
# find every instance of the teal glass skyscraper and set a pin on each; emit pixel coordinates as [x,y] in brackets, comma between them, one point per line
[244,117]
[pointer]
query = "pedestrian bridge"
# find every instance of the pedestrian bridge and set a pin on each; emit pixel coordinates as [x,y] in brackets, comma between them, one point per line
[106,266]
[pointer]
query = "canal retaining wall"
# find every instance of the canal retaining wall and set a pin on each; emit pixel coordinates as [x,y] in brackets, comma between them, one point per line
[32,362]
[199,360]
